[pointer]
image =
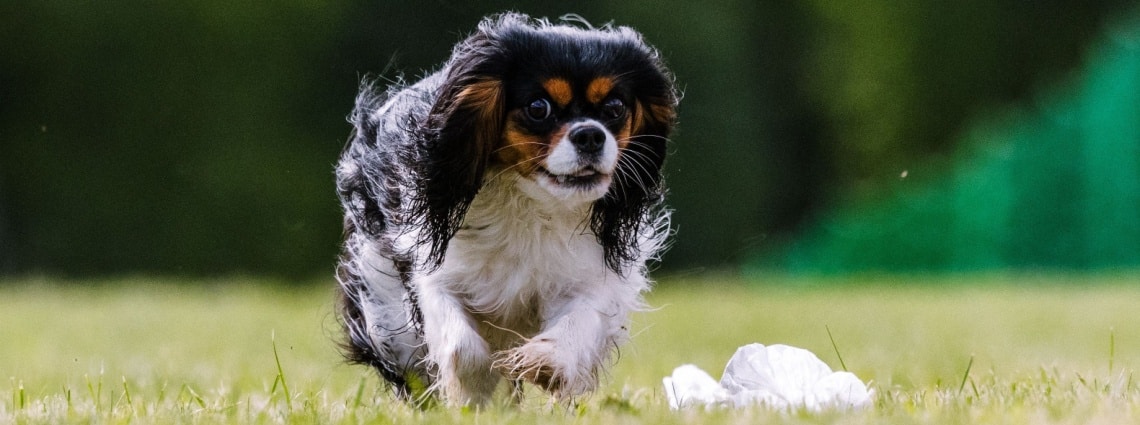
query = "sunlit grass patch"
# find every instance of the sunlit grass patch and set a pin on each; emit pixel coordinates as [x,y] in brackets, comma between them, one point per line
[997,349]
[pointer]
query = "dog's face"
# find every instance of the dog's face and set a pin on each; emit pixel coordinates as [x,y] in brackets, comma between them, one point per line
[573,102]
[562,105]
[567,133]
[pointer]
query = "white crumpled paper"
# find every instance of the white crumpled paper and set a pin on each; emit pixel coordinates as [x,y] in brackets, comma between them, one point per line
[777,376]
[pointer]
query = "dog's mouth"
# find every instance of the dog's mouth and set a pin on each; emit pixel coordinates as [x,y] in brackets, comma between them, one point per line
[584,178]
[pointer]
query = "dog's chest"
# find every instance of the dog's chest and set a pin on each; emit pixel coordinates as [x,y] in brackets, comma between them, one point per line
[515,257]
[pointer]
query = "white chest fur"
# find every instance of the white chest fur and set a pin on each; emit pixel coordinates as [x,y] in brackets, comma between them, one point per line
[520,251]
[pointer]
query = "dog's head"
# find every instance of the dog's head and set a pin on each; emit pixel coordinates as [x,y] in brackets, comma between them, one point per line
[582,113]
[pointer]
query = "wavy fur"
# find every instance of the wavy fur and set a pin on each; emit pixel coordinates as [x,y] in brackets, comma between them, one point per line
[463,264]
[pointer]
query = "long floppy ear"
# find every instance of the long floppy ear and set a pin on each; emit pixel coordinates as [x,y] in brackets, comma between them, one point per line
[619,218]
[462,128]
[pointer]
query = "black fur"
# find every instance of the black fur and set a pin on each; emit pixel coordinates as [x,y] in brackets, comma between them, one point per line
[456,142]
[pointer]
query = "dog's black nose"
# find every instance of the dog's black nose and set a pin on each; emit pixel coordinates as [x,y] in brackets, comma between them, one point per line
[588,139]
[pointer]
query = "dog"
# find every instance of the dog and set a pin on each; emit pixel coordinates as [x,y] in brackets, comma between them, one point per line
[500,212]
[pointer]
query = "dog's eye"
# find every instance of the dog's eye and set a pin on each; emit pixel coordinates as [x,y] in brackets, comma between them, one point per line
[613,108]
[538,110]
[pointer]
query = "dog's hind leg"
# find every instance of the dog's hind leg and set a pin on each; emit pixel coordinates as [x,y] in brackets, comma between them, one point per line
[380,321]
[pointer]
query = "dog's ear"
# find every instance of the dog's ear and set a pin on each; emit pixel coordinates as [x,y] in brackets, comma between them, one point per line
[462,129]
[618,218]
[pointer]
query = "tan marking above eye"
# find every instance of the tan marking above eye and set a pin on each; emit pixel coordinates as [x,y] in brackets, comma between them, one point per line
[559,90]
[599,89]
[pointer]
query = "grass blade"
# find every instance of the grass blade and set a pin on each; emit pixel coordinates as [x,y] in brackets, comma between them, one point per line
[280,373]
[836,348]
[194,396]
[966,376]
[23,397]
[127,394]
[357,400]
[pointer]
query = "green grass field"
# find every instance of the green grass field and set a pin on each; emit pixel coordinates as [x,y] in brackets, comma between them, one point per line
[941,350]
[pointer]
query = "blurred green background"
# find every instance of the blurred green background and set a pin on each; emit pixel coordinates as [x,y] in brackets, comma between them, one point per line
[198,137]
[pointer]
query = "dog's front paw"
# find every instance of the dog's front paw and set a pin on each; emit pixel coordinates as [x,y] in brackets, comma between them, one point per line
[465,376]
[543,363]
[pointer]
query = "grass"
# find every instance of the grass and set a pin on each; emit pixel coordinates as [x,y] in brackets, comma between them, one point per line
[939,350]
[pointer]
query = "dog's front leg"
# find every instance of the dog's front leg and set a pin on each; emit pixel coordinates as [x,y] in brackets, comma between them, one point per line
[576,339]
[461,357]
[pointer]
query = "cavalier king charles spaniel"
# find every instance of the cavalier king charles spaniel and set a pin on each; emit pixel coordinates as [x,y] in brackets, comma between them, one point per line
[499,213]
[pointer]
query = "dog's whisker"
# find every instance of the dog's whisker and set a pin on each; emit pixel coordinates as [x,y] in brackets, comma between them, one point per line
[637,171]
[517,165]
[511,146]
